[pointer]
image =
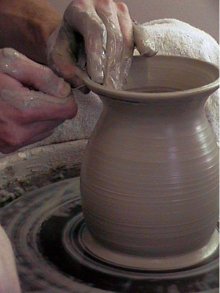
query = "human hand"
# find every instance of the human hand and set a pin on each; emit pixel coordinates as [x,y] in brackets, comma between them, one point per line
[106,28]
[29,115]
[143,43]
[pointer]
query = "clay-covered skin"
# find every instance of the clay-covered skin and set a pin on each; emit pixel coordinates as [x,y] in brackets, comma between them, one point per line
[142,42]
[33,101]
[149,179]
[8,276]
[106,28]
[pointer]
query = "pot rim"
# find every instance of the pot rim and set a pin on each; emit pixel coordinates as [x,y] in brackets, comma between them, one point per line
[126,95]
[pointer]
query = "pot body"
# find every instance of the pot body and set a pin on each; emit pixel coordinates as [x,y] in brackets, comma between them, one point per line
[149,178]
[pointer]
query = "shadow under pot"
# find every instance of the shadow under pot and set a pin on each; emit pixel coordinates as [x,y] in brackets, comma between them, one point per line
[149,178]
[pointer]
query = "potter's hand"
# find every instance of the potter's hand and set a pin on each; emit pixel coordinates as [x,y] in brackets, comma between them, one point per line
[28,115]
[143,42]
[106,28]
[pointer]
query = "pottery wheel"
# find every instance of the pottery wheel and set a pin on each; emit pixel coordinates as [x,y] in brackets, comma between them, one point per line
[45,227]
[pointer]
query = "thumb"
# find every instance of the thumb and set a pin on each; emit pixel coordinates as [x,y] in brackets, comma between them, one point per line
[142,41]
[63,55]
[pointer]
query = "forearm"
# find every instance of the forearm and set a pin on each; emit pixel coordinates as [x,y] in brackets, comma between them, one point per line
[25,25]
[8,276]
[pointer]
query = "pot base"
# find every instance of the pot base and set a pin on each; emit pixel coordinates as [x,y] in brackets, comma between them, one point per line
[46,228]
[127,261]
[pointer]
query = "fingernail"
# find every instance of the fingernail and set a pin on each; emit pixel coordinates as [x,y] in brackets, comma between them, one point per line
[65,89]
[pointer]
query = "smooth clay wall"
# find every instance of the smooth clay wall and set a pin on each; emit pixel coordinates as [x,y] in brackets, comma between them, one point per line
[203,14]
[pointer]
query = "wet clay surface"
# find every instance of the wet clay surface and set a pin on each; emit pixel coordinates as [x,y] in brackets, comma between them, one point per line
[149,179]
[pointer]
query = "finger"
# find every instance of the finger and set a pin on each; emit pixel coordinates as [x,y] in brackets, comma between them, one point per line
[142,43]
[81,17]
[26,106]
[60,57]
[126,26]
[107,11]
[33,74]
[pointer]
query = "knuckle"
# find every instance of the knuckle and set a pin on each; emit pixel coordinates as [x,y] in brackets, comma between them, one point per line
[73,11]
[77,4]
[98,25]
[122,7]
[49,76]
[106,2]
[106,6]
[48,79]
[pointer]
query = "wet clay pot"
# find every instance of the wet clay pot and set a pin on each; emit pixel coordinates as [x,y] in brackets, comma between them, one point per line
[149,179]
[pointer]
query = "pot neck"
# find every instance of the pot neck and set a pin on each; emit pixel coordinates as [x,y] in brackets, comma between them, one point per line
[189,104]
[157,114]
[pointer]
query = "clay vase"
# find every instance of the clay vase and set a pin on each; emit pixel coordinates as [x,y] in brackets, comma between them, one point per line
[149,178]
